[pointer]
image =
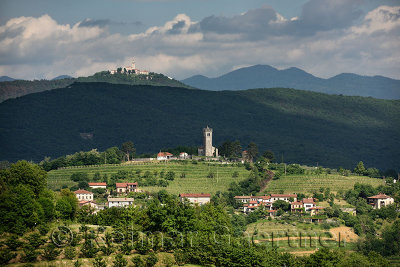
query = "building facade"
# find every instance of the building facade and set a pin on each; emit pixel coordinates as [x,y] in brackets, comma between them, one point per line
[98,185]
[196,198]
[207,149]
[83,195]
[380,200]
[120,202]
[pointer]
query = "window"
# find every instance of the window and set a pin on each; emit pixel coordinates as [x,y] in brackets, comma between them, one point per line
[208,134]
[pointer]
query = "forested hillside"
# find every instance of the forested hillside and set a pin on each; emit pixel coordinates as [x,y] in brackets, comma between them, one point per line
[15,88]
[299,126]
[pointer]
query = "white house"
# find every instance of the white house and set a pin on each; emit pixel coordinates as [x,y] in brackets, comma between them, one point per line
[243,199]
[98,185]
[120,202]
[196,198]
[380,200]
[123,188]
[183,155]
[308,203]
[164,156]
[84,195]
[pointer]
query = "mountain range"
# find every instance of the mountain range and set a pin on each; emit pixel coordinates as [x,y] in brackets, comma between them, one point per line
[298,126]
[264,76]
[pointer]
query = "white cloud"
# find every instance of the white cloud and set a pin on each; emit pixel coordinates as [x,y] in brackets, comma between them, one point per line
[43,48]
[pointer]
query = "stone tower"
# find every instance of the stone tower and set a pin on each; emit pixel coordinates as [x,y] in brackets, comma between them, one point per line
[207,142]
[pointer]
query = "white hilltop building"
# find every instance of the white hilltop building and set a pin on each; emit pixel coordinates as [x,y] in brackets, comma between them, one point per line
[131,70]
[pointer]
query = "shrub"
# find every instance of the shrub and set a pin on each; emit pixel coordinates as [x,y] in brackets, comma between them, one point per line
[170,176]
[30,254]
[88,249]
[210,175]
[50,252]
[35,240]
[138,261]
[5,256]
[235,174]
[13,242]
[120,261]
[151,260]
[99,262]
[69,253]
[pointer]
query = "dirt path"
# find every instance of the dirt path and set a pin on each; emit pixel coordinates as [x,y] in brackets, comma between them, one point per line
[346,233]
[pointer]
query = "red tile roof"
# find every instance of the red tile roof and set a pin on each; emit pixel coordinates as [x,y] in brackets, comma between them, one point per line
[242,197]
[317,208]
[380,196]
[119,185]
[164,154]
[94,184]
[297,203]
[195,195]
[253,202]
[81,191]
[308,200]
[264,197]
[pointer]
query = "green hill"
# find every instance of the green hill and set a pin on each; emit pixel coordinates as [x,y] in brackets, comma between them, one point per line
[17,88]
[299,126]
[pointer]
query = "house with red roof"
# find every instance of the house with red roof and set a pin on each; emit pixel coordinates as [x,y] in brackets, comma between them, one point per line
[164,156]
[84,195]
[196,198]
[124,188]
[380,200]
[98,185]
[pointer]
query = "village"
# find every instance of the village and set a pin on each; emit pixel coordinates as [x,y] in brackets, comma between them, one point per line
[269,204]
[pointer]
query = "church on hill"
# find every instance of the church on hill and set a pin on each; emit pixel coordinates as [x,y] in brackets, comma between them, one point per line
[207,149]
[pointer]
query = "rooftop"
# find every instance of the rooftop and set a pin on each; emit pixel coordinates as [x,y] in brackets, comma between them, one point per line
[195,195]
[81,191]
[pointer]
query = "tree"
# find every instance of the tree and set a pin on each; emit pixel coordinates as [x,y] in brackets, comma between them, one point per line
[50,252]
[252,151]
[360,169]
[25,173]
[138,261]
[99,262]
[269,155]
[151,260]
[120,261]
[129,149]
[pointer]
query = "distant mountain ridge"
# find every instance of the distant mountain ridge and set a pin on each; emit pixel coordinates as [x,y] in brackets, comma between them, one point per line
[62,77]
[6,79]
[17,88]
[265,76]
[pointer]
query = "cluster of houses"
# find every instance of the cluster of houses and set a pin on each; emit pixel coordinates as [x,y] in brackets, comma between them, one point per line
[306,205]
[251,203]
[87,198]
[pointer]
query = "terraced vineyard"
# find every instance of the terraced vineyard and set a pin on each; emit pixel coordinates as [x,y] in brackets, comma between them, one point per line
[195,180]
[308,183]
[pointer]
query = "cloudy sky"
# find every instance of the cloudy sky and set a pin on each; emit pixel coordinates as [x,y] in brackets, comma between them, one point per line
[46,38]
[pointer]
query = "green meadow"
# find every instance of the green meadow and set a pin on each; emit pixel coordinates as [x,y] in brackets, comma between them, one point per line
[196,178]
[308,183]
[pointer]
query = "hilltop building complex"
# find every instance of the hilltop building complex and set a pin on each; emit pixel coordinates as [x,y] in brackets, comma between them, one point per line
[130,70]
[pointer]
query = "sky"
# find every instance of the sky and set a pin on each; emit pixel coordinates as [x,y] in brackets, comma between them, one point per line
[42,39]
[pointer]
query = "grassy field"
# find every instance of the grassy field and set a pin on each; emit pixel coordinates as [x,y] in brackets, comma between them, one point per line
[195,181]
[308,183]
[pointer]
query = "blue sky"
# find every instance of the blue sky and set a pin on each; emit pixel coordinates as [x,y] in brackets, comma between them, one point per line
[46,38]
